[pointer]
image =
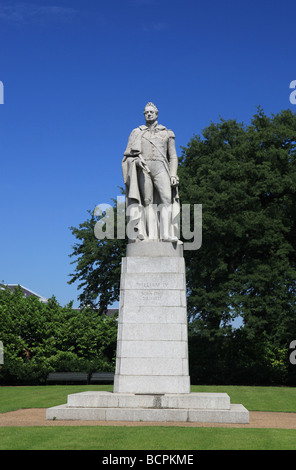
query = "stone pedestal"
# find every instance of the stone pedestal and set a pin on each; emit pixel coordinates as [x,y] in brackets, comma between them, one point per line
[152,380]
[191,408]
[152,345]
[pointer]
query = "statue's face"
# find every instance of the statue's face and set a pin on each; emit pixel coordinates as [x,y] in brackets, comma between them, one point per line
[150,114]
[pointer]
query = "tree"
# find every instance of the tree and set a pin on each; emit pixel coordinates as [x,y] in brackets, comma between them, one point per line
[245,178]
[98,264]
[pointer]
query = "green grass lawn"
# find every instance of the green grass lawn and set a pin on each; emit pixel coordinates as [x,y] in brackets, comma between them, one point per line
[15,398]
[146,437]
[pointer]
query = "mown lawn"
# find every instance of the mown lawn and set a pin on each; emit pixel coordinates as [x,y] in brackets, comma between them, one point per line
[146,437]
[15,398]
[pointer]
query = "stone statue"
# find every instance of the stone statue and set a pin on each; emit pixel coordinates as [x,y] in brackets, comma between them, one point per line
[149,169]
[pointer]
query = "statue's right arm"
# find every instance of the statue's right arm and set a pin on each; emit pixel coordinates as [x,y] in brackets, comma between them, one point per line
[130,151]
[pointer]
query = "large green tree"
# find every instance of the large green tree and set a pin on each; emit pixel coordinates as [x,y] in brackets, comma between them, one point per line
[245,178]
[98,262]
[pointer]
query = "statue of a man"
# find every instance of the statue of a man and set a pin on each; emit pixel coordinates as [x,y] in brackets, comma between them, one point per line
[149,168]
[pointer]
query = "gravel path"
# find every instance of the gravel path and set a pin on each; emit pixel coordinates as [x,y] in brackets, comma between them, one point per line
[36,417]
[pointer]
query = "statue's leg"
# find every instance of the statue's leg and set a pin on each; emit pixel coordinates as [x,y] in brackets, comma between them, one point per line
[146,188]
[163,186]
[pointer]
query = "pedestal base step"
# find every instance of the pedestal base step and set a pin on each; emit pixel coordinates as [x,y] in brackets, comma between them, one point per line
[193,407]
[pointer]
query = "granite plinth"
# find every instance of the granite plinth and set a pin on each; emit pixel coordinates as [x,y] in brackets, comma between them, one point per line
[152,340]
[154,248]
[108,406]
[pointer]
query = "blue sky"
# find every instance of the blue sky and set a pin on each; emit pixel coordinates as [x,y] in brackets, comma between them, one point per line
[77,75]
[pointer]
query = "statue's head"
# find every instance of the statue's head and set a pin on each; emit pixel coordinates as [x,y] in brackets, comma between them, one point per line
[150,112]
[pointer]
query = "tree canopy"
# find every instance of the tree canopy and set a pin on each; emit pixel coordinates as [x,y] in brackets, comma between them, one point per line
[98,264]
[245,178]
